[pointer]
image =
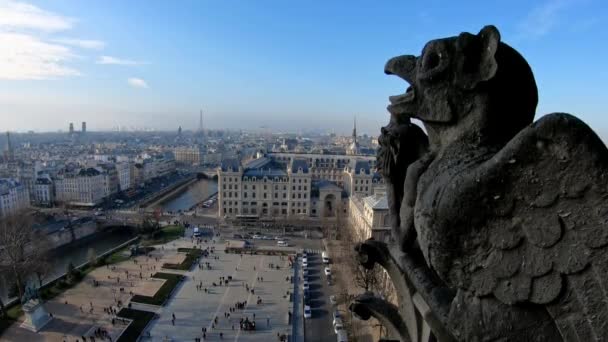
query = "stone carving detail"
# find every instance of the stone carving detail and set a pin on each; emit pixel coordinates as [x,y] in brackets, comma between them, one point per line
[501,223]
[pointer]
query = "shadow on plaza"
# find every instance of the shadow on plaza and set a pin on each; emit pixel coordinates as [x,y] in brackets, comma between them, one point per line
[61,326]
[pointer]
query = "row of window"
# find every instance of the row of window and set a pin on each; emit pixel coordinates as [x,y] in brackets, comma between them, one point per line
[264,211]
[276,204]
[231,194]
[265,179]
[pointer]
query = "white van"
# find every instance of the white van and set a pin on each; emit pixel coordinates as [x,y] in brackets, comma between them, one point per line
[325,258]
[196,232]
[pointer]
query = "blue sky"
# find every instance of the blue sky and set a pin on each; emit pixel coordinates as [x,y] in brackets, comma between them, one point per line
[282,64]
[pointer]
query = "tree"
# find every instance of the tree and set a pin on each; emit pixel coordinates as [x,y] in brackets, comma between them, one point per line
[42,270]
[72,274]
[4,283]
[92,257]
[149,226]
[22,248]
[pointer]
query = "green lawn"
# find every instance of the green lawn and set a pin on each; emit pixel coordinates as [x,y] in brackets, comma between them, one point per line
[12,315]
[189,260]
[167,234]
[140,321]
[159,298]
[117,256]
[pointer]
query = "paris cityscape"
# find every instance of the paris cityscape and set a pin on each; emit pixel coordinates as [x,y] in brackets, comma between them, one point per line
[244,171]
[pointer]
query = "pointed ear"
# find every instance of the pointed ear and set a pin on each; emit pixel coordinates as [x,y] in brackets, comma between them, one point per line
[476,57]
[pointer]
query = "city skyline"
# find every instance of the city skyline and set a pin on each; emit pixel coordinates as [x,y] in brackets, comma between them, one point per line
[154,65]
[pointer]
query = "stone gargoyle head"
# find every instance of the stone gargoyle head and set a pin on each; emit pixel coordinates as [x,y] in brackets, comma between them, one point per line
[469,86]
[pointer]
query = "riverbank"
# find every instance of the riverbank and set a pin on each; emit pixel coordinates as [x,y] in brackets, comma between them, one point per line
[76,252]
[189,197]
[169,191]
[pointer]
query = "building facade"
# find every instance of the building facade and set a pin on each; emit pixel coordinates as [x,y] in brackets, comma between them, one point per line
[14,197]
[360,179]
[189,155]
[44,191]
[324,166]
[369,217]
[85,187]
[125,172]
[287,185]
[264,187]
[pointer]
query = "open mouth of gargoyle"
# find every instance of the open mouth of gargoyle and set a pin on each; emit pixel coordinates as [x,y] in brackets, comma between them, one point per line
[406,97]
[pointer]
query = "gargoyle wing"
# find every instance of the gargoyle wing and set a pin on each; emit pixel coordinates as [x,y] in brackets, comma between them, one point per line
[546,236]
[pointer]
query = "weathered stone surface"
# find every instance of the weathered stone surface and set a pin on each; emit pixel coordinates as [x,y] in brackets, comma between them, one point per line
[508,213]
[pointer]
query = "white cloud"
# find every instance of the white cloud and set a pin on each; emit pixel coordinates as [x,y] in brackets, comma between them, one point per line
[21,15]
[25,57]
[542,19]
[28,51]
[117,61]
[137,82]
[82,43]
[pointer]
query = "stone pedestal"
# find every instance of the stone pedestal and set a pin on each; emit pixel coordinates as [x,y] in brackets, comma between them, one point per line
[36,316]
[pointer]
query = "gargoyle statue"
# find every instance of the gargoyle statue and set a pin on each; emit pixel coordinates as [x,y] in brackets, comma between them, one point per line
[510,214]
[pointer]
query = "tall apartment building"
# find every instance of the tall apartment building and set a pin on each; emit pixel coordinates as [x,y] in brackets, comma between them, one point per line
[44,191]
[14,196]
[84,187]
[125,175]
[110,179]
[190,155]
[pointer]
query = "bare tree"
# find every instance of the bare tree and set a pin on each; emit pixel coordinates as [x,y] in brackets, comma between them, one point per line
[42,269]
[22,248]
[92,257]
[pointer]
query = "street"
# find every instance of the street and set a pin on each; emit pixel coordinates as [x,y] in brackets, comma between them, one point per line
[319,327]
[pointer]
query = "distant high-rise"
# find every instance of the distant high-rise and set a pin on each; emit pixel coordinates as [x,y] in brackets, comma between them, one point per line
[84,127]
[201,128]
[71,128]
[179,131]
[9,147]
[353,149]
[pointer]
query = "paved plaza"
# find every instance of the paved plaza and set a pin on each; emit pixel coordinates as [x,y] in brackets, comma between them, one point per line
[79,311]
[196,309]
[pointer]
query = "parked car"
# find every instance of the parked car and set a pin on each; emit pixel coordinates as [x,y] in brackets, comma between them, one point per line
[337,315]
[307,312]
[325,257]
[306,286]
[342,336]
[305,272]
[257,237]
[282,243]
[304,264]
[333,299]
[327,271]
[338,325]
